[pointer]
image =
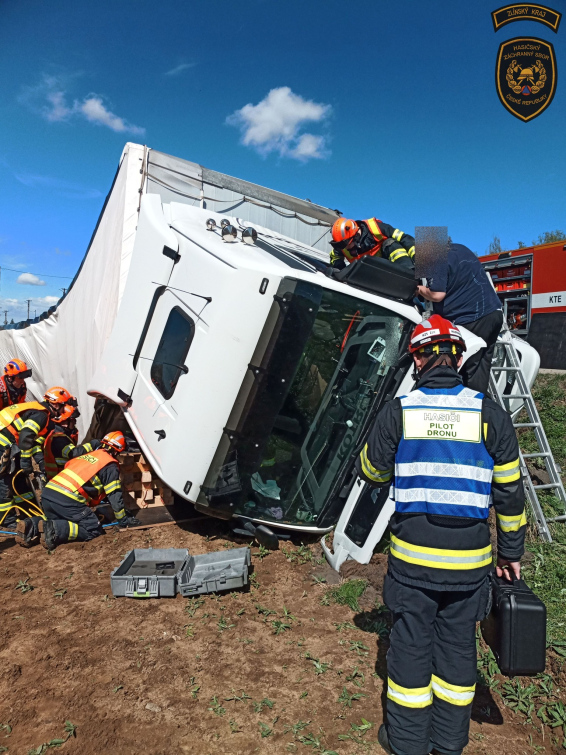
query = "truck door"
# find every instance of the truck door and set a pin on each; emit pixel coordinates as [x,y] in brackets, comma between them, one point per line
[162,373]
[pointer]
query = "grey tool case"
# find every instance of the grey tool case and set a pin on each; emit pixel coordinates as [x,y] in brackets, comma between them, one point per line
[213,572]
[163,572]
[148,573]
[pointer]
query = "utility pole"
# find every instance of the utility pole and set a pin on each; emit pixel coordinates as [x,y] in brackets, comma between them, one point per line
[29,302]
[5,317]
[64,290]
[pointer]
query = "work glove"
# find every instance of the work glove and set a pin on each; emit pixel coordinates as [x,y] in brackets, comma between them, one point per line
[25,464]
[129,521]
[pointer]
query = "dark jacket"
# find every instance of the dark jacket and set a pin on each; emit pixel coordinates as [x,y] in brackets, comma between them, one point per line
[451,533]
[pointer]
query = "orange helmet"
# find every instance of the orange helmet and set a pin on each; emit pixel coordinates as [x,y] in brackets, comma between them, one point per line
[58,395]
[344,229]
[17,368]
[67,412]
[436,329]
[115,441]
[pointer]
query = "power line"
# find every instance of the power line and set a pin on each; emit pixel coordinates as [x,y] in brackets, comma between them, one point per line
[41,275]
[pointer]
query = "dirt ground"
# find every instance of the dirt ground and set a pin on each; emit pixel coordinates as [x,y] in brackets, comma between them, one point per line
[176,676]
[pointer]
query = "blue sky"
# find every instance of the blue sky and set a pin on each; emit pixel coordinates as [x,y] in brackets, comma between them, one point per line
[381,108]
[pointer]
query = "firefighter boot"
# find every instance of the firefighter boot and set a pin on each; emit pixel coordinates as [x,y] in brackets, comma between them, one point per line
[47,534]
[27,533]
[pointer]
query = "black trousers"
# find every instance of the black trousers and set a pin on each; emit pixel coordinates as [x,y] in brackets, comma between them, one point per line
[431,666]
[475,370]
[73,520]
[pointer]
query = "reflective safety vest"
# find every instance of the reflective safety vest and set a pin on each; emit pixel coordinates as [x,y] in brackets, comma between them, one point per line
[78,472]
[372,224]
[5,395]
[442,466]
[10,417]
[51,465]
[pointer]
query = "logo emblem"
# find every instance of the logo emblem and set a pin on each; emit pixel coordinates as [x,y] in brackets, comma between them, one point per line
[526,12]
[525,76]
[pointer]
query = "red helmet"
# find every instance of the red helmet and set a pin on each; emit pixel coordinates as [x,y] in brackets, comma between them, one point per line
[17,368]
[344,229]
[435,330]
[115,441]
[67,412]
[58,395]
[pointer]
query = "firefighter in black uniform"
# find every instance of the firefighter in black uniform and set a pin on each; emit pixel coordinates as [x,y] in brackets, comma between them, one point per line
[354,239]
[20,427]
[13,383]
[449,450]
[69,499]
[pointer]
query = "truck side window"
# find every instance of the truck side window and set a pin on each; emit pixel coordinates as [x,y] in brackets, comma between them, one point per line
[169,361]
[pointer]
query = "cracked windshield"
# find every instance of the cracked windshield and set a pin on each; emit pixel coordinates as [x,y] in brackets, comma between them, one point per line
[322,368]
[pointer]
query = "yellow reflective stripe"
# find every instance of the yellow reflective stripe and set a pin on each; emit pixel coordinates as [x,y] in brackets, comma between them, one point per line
[18,423]
[511,523]
[411,252]
[409,697]
[440,558]
[397,234]
[452,693]
[73,530]
[120,514]
[67,450]
[60,462]
[507,472]
[60,489]
[74,476]
[485,430]
[86,446]
[397,254]
[112,486]
[31,425]
[27,453]
[97,483]
[377,475]
[6,506]
[4,441]
[374,228]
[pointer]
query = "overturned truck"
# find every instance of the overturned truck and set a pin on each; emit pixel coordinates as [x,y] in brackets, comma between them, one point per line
[248,377]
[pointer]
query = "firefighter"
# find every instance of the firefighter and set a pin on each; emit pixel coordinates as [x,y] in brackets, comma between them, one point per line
[354,239]
[61,442]
[448,449]
[69,499]
[21,425]
[13,383]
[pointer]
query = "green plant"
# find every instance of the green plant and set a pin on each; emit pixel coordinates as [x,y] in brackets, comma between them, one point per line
[347,593]
[264,611]
[347,699]
[238,698]
[234,727]
[223,625]
[358,647]
[189,630]
[356,677]
[340,626]
[357,731]
[280,626]
[70,731]
[265,703]
[296,728]
[23,586]
[288,615]
[263,552]
[265,730]
[195,688]
[319,667]
[59,592]
[216,707]
[193,605]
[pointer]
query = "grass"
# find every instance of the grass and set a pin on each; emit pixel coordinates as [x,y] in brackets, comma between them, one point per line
[347,593]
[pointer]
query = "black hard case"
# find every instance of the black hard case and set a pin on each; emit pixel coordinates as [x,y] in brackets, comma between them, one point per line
[516,628]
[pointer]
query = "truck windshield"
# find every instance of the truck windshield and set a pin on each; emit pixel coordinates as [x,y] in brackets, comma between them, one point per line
[316,373]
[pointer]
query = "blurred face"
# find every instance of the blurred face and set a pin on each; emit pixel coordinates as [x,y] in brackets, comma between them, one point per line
[353,241]
[18,382]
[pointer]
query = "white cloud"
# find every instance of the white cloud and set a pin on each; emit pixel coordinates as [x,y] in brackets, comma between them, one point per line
[29,279]
[95,111]
[179,69]
[65,188]
[49,99]
[274,125]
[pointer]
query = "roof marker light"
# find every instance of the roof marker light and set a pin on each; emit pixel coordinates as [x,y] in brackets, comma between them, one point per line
[229,233]
[249,236]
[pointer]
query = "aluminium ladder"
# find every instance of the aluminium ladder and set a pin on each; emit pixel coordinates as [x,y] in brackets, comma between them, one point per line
[512,364]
